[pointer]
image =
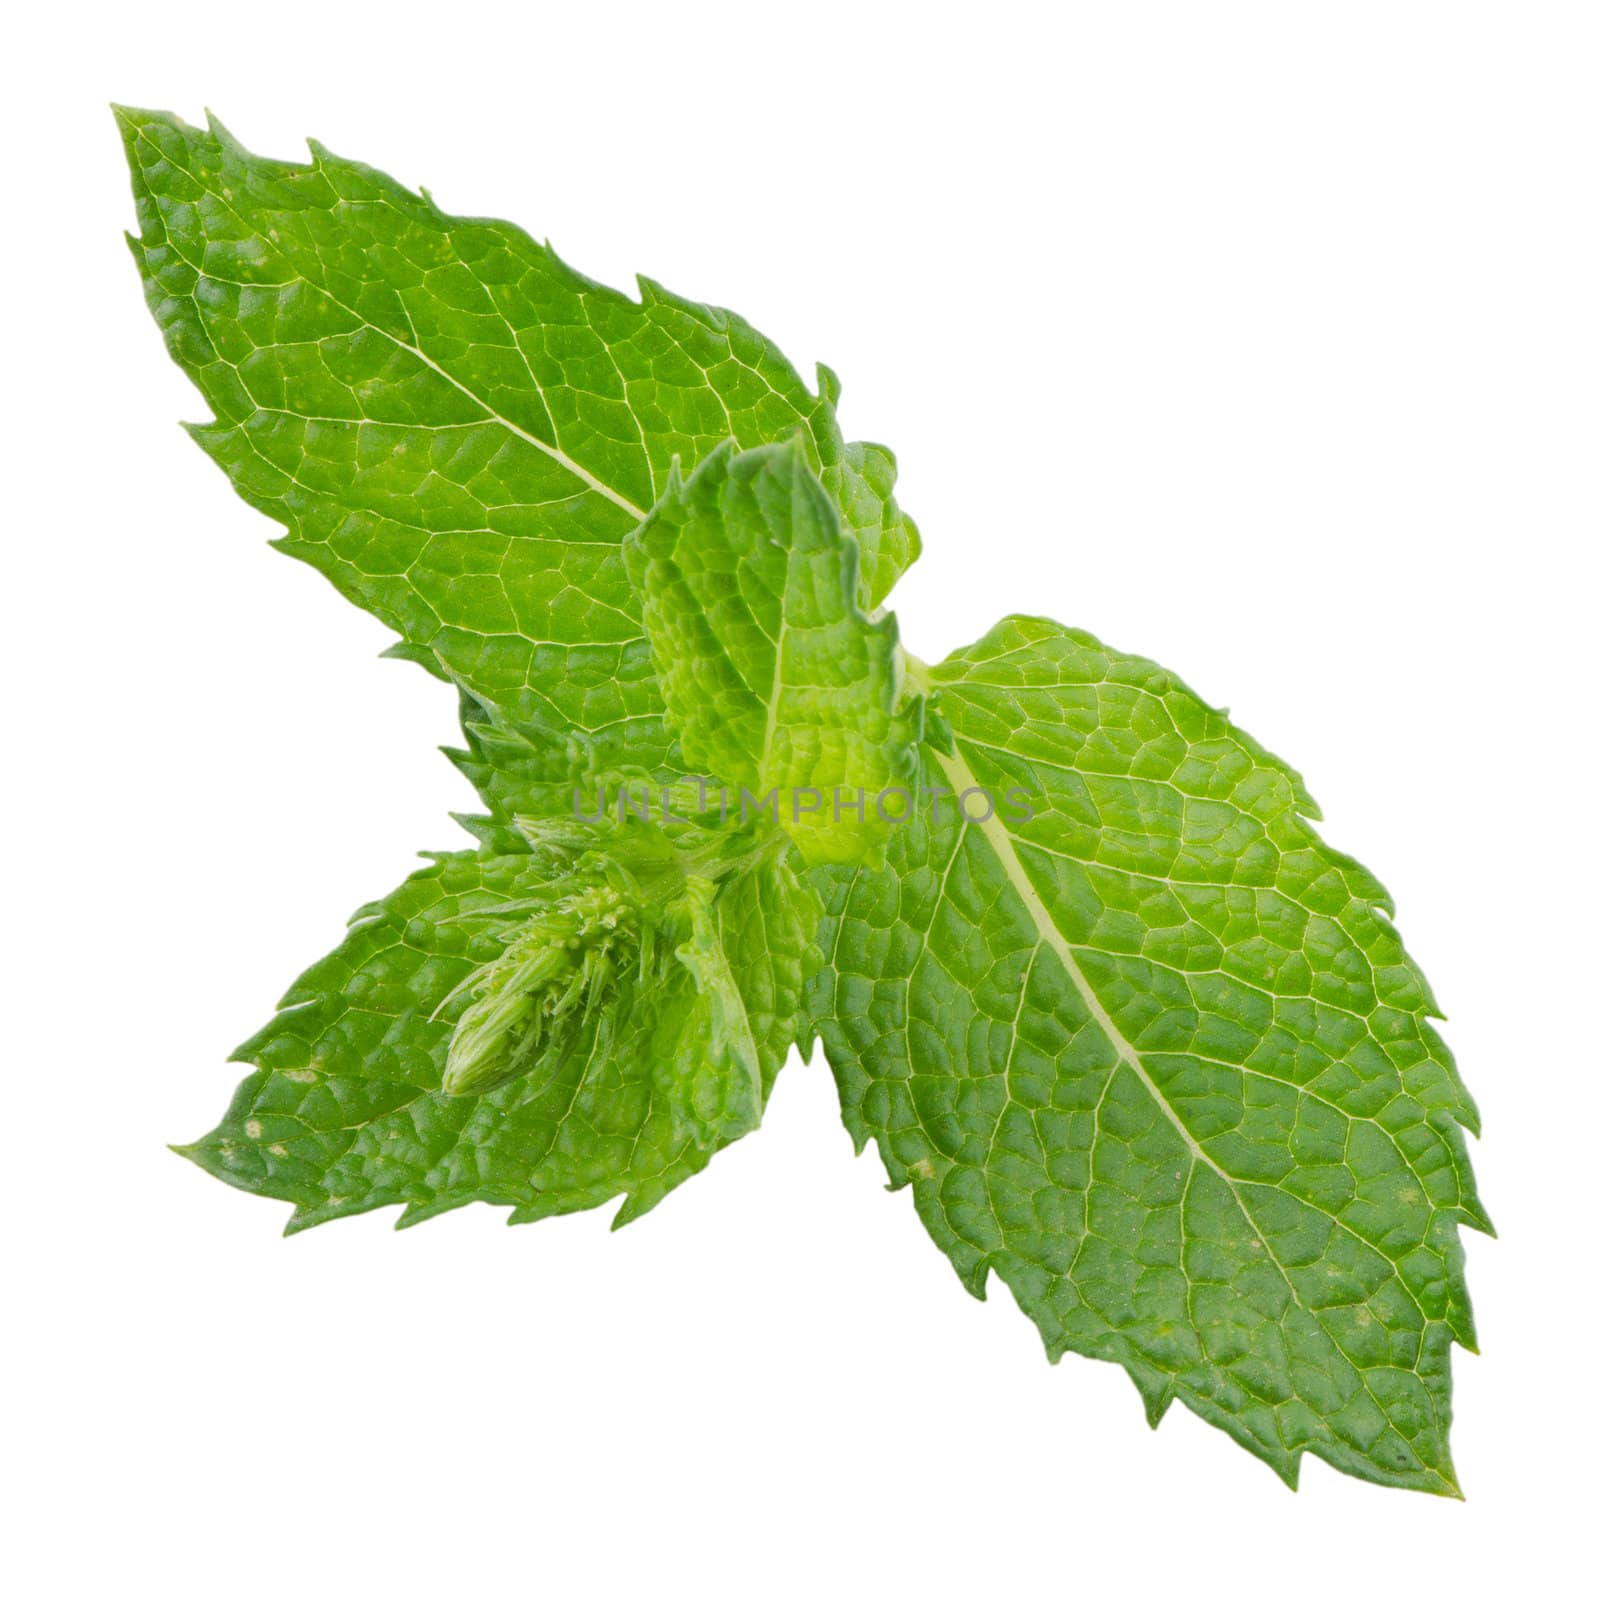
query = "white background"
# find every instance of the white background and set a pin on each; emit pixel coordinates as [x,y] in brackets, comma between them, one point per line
[1260,339]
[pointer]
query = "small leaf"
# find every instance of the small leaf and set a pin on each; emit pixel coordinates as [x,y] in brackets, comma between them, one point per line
[776,681]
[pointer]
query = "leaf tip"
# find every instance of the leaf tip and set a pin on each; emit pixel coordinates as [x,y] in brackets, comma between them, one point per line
[132,118]
[130,121]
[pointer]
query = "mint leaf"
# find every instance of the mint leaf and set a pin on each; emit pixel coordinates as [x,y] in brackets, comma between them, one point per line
[775,679]
[345,1110]
[711,1066]
[456,427]
[1155,1056]
[769,933]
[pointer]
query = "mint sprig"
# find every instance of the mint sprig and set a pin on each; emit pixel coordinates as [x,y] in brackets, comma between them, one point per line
[1140,1042]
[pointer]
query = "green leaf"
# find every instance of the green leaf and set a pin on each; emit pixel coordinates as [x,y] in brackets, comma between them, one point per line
[712,1069]
[774,677]
[345,1112]
[455,426]
[1154,1055]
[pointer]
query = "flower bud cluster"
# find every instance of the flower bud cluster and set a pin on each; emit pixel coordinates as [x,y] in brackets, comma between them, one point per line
[527,1002]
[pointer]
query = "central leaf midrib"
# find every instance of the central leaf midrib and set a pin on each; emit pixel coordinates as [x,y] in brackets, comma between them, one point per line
[961,775]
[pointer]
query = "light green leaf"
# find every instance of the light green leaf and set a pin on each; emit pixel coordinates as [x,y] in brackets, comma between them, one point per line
[345,1112]
[1154,1055]
[712,1070]
[456,427]
[774,678]
[769,933]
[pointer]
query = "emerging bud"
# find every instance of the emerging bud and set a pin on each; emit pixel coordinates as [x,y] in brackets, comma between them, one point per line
[529,1001]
